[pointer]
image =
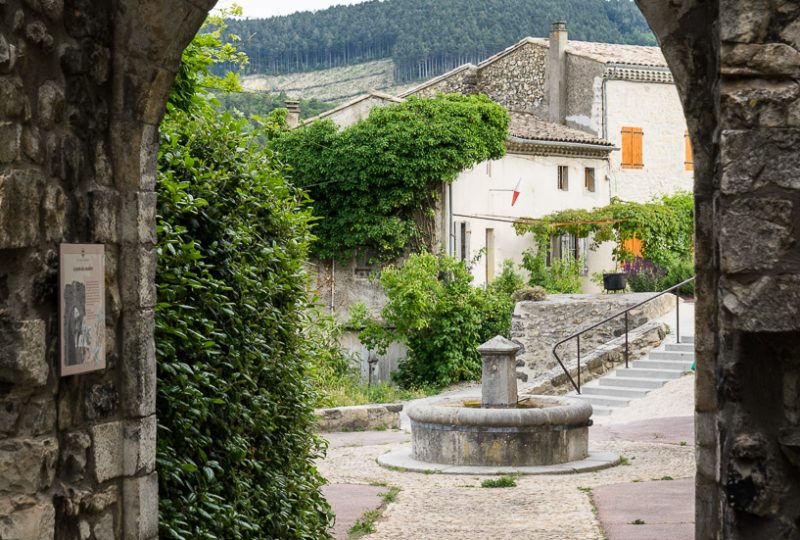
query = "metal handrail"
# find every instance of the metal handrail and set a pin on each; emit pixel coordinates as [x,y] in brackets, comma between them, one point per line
[577,335]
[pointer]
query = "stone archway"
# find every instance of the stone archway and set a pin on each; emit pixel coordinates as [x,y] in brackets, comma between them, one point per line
[736,64]
[83,86]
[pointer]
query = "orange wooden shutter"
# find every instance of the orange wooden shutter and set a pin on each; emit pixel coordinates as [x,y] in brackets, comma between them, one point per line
[689,160]
[632,148]
[633,246]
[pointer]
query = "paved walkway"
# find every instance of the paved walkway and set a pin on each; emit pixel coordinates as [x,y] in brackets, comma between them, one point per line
[349,502]
[649,433]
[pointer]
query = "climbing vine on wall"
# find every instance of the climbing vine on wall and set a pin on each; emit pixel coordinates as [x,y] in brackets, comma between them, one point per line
[665,226]
[375,185]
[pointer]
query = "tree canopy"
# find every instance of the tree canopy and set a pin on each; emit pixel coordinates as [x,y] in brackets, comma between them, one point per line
[375,184]
[426,38]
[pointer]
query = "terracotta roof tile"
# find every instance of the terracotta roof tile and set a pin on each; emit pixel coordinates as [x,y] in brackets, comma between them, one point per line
[529,127]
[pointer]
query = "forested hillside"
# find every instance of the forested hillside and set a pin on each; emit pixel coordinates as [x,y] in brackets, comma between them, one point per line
[426,37]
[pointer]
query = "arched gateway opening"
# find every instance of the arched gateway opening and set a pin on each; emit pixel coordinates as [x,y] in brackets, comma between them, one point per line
[84,86]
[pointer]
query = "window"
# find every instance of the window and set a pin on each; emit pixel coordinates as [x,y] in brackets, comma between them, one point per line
[688,161]
[563,178]
[589,179]
[567,246]
[462,235]
[632,148]
[489,255]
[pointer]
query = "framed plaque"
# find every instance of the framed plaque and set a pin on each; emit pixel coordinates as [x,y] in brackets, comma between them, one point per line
[82,308]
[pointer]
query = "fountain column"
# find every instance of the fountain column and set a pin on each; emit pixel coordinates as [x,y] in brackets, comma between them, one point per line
[499,379]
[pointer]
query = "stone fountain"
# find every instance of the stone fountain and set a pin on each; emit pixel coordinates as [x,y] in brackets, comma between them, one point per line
[503,431]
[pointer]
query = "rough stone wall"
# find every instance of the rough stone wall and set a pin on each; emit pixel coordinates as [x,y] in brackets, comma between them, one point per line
[736,64]
[537,326]
[82,89]
[461,82]
[518,80]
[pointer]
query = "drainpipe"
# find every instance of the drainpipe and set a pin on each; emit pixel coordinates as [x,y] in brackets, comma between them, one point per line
[450,234]
[333,285]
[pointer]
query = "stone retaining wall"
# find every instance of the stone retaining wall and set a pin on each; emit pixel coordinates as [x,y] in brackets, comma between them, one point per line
[359,418]
[537,326]
[601,361]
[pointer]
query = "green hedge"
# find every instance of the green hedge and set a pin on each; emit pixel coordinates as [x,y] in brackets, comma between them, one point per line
[235,449]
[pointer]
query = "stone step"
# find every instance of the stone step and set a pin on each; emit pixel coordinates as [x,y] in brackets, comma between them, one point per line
[671,355]
[608,401]
[628,392]
[687,339]
[650,373]
[662,364]
[634,382]
[600,410]
[681,347]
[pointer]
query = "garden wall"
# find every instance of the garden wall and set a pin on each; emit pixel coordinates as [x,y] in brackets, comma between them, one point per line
[537,326]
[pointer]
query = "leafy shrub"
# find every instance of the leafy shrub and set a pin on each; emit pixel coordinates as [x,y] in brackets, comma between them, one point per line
[679,269]
[434,309]
[530,294]
[644,276]
[235,447]
[509,280]
[562,276]
[375,183]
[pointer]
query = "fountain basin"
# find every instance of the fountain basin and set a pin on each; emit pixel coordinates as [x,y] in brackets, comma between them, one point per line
[553,430]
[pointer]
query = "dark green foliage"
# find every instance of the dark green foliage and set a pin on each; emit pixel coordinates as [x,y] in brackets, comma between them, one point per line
[235,452]
[434,309]
[426,38]
[375,184]
[530,294]
[644,276]
[502,482]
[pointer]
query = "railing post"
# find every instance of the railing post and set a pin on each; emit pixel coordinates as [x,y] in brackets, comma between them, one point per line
[626,340]
[579,363]
[678,314]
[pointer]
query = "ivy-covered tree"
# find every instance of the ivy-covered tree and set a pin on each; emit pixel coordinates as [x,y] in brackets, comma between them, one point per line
[235,450]
[375,184]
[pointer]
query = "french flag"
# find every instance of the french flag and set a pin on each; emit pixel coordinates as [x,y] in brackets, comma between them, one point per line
[515,195]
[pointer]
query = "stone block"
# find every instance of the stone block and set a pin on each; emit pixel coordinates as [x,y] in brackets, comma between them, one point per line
[138,217]
[107,454]
[753,159]
[102,400]
[359,417]
[754,234]
[103,529]
[28,465]
[51,104]
[12,99]
[32,144]
[744,22]
[10,142]
[74,455]
[140,508]
[104,205]
[768,304]
[760,60]
[138,364]
[37,417]
[22,353]
[748,104]
[20,193]
[54,213]
[138,277]
[32,521]
[139,450]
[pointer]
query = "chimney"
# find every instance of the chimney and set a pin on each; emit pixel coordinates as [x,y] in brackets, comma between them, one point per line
[557,73]
[293,118]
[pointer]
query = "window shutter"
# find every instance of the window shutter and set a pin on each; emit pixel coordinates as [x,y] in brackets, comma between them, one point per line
[689,159]
[632,148]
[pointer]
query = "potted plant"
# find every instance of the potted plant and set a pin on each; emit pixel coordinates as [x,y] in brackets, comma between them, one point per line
[615,281]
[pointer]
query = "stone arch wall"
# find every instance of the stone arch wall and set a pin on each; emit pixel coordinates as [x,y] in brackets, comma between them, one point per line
[82,89]
[737,66]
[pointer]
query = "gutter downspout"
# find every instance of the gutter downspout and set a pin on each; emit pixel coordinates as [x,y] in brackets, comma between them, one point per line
[450,236]
[333,286]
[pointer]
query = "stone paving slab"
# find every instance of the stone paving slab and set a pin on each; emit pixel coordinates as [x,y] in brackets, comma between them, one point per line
[671,430]
[665,507]
[349,502]
[365,438]
[401,459]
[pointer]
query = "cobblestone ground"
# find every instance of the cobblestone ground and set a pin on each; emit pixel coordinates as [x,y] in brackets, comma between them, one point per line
[444,507]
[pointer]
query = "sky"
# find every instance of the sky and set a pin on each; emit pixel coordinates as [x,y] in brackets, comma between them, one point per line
[268,8]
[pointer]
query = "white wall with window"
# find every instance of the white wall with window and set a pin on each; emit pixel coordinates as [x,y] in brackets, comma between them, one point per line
[483,216]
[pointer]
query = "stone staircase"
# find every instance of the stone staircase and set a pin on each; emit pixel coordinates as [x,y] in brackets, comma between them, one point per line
[617,388]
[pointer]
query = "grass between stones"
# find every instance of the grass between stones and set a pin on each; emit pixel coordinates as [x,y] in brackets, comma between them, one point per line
[366,523]
[502,482]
